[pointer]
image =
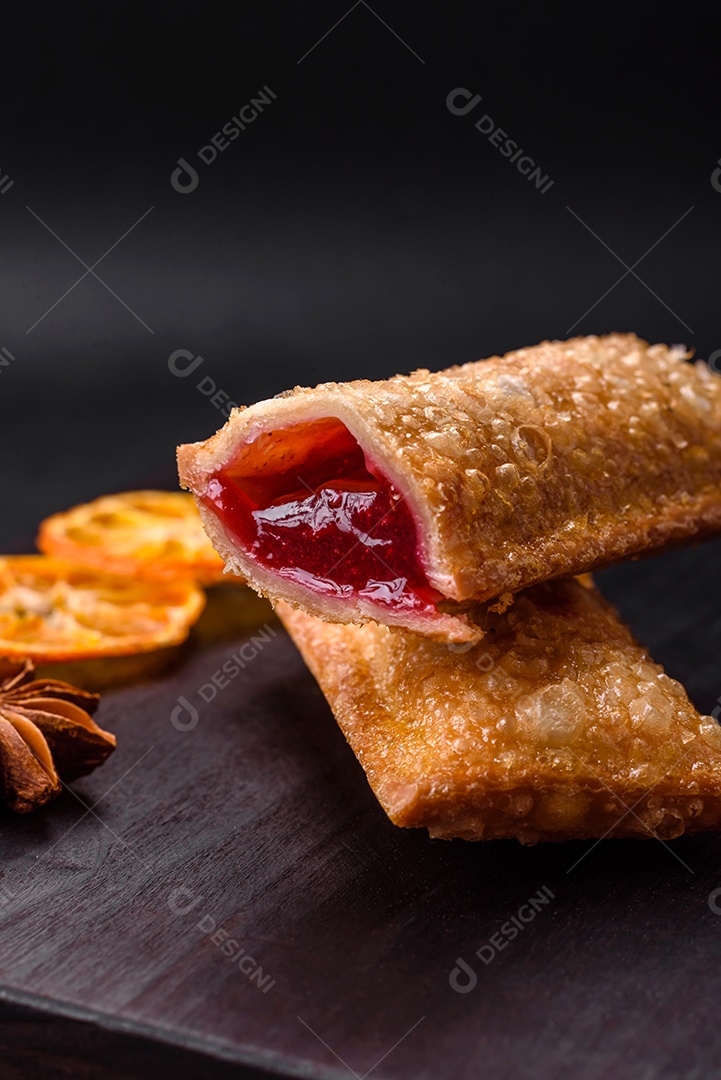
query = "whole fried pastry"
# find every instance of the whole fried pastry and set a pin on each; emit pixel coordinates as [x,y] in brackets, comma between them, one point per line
[403,500]
[557,726]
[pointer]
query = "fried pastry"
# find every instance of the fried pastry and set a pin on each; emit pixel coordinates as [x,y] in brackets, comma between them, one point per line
[404,500]
[556,726]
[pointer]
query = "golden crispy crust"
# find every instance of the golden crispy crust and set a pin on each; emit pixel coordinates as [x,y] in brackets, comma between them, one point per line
[548,461]
[558,725]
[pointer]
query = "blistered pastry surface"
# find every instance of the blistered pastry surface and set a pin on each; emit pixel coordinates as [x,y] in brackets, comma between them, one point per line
[556,458]
[554,726]
[550,460]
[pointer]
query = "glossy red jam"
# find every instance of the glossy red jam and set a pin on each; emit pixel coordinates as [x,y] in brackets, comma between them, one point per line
[331,525]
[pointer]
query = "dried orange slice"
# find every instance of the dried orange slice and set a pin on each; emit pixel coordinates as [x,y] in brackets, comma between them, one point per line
[50,611]
[158,534]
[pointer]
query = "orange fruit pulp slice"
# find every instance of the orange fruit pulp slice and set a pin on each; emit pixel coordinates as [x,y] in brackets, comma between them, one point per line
[52,611]
[157,534]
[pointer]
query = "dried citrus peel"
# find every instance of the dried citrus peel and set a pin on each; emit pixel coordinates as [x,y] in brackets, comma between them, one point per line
[51,611]
[157,534]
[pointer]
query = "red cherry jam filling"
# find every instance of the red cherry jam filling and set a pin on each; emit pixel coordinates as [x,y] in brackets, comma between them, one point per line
[305,503]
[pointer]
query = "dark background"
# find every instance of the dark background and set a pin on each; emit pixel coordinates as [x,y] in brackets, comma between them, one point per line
[356,228]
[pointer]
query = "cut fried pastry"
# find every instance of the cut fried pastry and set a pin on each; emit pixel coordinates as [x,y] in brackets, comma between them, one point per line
[403,500]
[557,726]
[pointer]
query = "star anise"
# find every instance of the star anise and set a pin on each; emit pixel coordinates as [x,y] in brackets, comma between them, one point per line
[46,736]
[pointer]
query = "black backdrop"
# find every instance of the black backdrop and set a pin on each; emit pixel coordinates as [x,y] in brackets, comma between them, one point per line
[356,227]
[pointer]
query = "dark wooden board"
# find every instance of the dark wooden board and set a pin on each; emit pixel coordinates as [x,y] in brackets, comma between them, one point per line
[261,818]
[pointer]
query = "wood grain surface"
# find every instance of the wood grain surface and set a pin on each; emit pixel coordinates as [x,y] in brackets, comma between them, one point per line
[257,821]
